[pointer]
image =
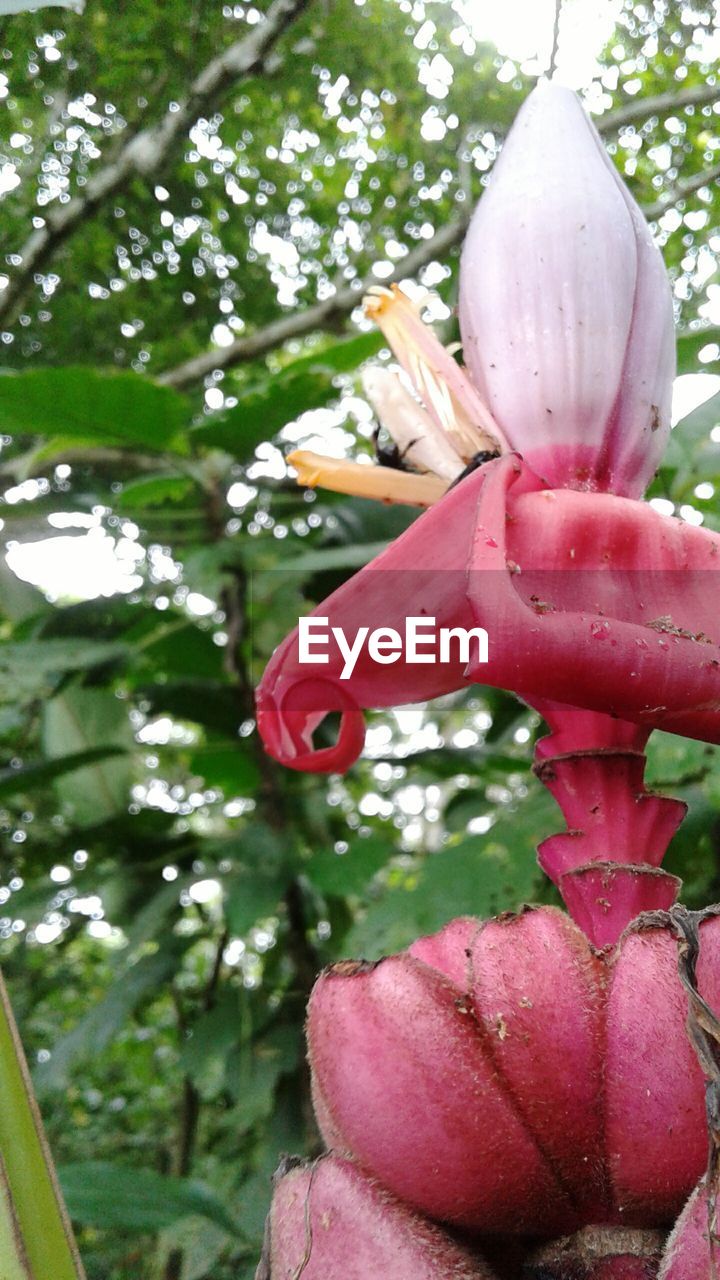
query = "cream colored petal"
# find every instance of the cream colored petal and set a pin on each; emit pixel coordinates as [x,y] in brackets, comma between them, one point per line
[421,442]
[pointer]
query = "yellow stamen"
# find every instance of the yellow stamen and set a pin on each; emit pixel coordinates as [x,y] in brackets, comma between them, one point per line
[384,484]
[379,298]
[386,307]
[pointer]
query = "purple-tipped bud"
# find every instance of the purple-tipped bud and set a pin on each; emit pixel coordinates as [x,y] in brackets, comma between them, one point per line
[329,1222]
[565,307]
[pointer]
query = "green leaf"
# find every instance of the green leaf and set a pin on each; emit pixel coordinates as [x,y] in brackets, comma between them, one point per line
[212,1037]
[18,599]
[693,429]
[101,1023]
[343,874]
[253,1076]
[691,453]
[253,895]
[317,561]
[101,1194]
[28,669]
[280,397]
[258,880]
[689,346]
[181,648]
[231,768]
[259,414]
[466,804]
[33,775]
[153,491]
[28,1171]
[81,720]
[13,1259]
[152,918]
[202,1245]
[20,6]
[345,356]
[88,406]
[479,876]
[203,702]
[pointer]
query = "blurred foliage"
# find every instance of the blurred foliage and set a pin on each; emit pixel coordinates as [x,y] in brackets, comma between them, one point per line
[168,893]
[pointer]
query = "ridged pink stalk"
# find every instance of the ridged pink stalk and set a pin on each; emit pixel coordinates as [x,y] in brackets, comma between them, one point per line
[505,1076]
[607,864]
[328,1221]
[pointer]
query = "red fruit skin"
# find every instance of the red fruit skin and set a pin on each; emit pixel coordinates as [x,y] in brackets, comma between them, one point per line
[508,1078]
[330,1222]
[623,1268]
[656,1137]
[687,1253]
[515,993]
[411,1091]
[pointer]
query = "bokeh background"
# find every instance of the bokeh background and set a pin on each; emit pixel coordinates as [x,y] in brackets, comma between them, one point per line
[194,196]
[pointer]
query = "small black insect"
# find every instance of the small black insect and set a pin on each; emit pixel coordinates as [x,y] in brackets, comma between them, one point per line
[390,455]
[479,460]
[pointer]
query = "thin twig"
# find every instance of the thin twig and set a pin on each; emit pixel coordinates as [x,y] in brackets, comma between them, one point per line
[325,315]
[191,1100]
[643,108]
[147,153]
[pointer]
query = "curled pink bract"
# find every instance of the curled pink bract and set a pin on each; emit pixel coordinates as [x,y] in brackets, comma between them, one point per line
[588,599]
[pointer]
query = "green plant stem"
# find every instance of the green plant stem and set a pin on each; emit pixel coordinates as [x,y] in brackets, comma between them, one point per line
[36,1239]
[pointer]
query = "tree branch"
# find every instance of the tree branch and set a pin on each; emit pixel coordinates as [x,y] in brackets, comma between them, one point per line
[147,154]
[643,108]
[191,1099]
[681,190]
[323,315]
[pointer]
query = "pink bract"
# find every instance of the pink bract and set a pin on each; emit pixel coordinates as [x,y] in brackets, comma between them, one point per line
[589,599]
